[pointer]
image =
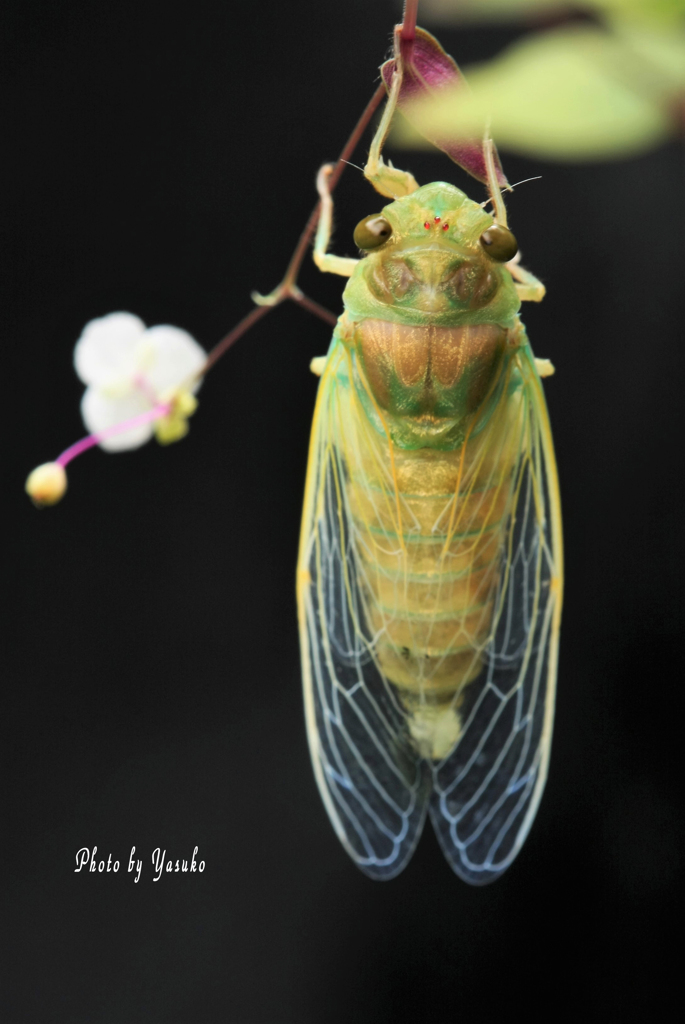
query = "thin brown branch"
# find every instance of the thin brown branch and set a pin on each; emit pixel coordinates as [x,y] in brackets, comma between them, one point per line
[223,346]
[405,35]
[288,288]
[347,151]
[315,308]
[408,31]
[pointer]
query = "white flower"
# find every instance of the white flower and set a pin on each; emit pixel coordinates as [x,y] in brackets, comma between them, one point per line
[129,370]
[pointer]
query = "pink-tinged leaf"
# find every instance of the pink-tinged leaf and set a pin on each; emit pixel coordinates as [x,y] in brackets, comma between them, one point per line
[427,71]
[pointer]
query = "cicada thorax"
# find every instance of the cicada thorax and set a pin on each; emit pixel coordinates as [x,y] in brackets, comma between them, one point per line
[431,442]
[429,370]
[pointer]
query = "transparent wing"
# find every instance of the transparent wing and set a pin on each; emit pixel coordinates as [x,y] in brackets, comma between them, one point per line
[374,784]
[363,732]
[486,791]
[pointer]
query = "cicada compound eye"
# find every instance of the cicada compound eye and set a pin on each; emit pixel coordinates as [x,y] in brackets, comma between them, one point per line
[499,243]
[372,232]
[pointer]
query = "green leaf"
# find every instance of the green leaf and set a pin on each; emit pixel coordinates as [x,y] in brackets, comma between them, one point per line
[574,93]
[457,12]
[645,11]
[658,58]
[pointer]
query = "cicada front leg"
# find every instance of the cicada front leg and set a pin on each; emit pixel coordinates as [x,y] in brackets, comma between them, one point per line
[386,179]
[326,261]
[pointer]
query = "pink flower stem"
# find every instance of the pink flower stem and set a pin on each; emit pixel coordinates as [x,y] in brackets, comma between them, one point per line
[161,409]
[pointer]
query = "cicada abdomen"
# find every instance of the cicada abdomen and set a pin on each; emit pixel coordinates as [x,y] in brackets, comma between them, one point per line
[430,555]
[431,523]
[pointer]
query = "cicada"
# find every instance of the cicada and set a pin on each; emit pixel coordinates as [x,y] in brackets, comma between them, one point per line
[430,566]
[430,562]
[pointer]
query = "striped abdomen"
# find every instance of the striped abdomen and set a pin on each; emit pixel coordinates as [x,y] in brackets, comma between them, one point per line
[430,524]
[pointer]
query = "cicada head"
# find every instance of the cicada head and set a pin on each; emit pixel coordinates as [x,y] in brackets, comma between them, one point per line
[434,256]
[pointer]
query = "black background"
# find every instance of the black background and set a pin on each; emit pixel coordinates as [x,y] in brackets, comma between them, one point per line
[163,159]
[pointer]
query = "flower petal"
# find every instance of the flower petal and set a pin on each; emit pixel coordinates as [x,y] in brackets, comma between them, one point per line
[100,412]
[106,351]
[175,357]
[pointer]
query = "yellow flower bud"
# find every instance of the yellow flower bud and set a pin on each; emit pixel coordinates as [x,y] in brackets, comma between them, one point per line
[174,425]
[46,484]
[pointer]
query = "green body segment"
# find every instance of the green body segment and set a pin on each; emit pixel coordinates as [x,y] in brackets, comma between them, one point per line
[431,415]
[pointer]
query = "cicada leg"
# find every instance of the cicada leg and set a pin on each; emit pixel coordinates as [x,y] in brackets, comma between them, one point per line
[528,288]
[327,261]
[545,367]
[386,179]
